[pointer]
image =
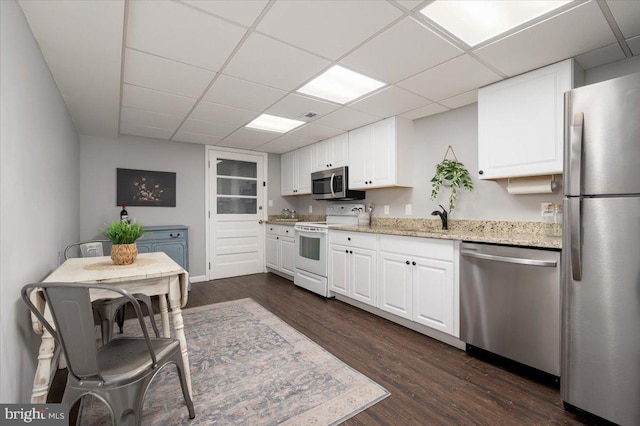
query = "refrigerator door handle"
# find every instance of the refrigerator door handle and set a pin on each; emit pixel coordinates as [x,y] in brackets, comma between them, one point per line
[575,237]
[575,156]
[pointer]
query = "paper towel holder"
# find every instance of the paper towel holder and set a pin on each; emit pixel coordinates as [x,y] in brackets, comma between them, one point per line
[517,181]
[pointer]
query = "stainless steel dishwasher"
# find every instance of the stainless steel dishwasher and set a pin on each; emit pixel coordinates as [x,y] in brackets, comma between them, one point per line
[510,303]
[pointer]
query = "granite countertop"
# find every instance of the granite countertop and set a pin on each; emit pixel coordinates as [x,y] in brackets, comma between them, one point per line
[497,237]
[525,234]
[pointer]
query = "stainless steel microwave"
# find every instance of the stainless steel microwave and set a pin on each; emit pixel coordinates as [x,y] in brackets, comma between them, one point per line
[333,184]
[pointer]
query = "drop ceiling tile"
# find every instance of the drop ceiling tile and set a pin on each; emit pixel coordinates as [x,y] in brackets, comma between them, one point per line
[389,101]
[315,132]
[196,138]
[327,28]
[242,94]
[463,99]
[270,62]
[627,14]
[452,78]
[82,45]
[149,132]
[243,12]
[634,45]
[153,100]
[245,138]
[601,56]
[425,111]
[181,33]
[206,128]
[284,144]
[153,72]
[568,34]
[296,106]
[148,118]
[401,51]
[223,114]
[347,119]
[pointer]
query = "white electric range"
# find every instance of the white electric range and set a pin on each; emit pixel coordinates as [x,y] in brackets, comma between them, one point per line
[312,248]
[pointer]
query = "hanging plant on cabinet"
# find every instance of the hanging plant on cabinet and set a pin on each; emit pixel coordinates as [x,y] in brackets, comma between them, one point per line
[453,174]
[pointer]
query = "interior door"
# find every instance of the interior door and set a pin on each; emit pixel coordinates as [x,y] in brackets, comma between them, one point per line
[236,202]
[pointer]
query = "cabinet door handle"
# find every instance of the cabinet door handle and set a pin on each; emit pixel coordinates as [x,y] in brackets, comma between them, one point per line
[350,252]
[174,236]
[407,262]
[413,263]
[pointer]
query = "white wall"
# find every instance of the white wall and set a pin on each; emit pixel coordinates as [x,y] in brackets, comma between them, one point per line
[39,191]
[99,159]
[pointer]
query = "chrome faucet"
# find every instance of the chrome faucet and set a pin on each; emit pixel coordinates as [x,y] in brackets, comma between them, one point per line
[443,216]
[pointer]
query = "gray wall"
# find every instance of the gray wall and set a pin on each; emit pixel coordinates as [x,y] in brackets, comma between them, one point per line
[432,136]
[459,128]
[39,191]
[273,187]
[99,158]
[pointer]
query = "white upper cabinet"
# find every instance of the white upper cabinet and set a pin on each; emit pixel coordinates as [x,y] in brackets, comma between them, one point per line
[380,154]
[330,153]
[520,122]
[295,171]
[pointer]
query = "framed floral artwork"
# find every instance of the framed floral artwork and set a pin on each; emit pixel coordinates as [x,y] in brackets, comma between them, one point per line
[145,188]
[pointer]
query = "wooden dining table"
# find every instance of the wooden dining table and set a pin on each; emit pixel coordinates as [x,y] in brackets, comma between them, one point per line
[153,274]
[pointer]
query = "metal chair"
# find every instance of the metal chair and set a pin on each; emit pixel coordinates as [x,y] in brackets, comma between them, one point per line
[109,310]
[119,372]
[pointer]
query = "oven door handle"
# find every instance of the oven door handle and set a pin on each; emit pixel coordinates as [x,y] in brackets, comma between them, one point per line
[333,175]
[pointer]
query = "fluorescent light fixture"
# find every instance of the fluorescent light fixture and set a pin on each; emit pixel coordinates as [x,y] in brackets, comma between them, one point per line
[476,21]
[272,123]
[340,85]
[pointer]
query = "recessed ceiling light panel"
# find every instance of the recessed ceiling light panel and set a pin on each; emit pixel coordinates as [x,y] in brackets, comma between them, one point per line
[273,123]
[340,85]
[476,21]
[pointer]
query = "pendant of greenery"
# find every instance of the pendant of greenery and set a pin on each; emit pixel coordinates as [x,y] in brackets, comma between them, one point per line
[451,173]
[123,232]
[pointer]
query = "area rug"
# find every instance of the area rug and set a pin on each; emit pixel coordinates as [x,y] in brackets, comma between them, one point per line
[250,367]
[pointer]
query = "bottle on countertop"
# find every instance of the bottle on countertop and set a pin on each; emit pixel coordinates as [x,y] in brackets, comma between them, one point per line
[124,216]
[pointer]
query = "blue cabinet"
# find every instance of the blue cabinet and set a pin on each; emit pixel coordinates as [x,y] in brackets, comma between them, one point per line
[170,239]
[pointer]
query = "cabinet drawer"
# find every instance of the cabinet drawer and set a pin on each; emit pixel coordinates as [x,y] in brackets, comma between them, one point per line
[179,234]
[353,239]
[272,229]
[414,246]
[286,231]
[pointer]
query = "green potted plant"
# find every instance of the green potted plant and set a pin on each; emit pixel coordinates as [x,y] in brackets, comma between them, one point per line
[453,174]
[123,236]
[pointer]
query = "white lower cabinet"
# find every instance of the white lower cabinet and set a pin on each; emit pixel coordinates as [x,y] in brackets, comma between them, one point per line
[394,288]
[433,294]
[417,281]
[352,267]
[280,248]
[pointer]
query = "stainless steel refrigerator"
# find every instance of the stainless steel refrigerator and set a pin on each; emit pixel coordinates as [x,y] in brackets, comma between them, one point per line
[601,250]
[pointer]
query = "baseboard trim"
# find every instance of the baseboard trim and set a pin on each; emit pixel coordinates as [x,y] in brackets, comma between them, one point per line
[198,278]
[423,329]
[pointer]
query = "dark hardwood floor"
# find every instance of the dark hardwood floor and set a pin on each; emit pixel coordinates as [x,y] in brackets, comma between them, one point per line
[430,382]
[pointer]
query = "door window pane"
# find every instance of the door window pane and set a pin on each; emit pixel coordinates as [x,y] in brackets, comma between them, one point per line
[237,168]
[237,187]
[230,205]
